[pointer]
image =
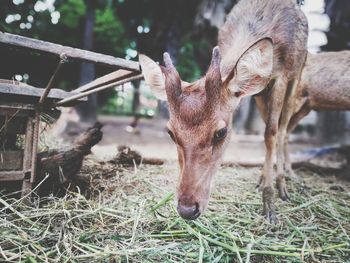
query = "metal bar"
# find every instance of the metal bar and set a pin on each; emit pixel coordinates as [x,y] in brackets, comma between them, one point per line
[86,93]
[63,59]
[106,79]
[73,53]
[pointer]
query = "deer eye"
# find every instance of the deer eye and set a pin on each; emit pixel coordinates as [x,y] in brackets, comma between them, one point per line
[220,134]
[171,134]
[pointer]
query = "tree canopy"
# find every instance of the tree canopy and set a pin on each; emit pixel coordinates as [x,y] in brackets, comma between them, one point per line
[122,28]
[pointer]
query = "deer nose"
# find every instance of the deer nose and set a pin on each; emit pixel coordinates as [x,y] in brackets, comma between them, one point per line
[188,211]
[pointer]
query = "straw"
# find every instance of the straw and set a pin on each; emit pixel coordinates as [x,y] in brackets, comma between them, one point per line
[128,215]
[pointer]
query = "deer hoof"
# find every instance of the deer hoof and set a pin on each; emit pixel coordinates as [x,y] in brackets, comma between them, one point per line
[282,188]
[269,205]
[271,216]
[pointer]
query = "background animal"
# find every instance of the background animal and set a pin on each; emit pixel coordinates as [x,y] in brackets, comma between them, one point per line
[324,85]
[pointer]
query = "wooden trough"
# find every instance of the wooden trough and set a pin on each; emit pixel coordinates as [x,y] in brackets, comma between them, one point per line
[22,104]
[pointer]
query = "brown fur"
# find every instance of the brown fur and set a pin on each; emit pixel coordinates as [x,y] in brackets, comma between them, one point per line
[261,41]
[287,26]
[324,85]
[325,82]
[250,20]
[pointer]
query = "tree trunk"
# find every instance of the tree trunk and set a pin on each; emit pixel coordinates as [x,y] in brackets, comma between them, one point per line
[136,104]
[136,97]
[88,111]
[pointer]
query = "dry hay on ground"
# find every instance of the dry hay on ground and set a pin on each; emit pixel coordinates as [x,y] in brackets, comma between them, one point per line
[129,216]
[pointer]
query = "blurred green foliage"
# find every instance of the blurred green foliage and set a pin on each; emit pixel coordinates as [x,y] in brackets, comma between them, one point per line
[121,104]
[71,13]
[110,34]
[116,33]
[109,30]
[187,64]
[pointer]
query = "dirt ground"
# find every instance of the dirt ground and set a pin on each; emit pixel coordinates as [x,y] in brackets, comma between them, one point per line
[152,140]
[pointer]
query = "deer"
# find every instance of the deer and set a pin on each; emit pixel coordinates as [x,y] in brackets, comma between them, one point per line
[324,85]
[261,51]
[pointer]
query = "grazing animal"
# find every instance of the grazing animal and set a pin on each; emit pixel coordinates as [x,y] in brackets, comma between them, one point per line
[261,49]
[324,85]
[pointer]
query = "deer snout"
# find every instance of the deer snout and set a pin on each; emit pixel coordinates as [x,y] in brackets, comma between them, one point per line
[188,209]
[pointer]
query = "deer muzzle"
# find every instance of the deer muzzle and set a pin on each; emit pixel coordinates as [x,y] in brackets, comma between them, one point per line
[188,209]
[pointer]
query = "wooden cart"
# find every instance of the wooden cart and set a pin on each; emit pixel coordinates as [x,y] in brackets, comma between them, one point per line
[21,104]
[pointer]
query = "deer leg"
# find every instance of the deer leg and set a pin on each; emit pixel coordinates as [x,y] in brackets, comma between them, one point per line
[283,160]
[262,107]
[287,161]
[304,110]
[288,110]
[266,180]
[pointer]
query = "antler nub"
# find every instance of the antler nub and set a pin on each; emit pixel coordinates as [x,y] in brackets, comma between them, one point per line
[167,60]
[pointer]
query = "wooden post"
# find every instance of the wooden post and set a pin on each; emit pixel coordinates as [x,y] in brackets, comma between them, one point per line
[35,142]
[27,158]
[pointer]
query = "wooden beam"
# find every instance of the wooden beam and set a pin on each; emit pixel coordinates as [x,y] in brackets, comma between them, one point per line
[64,102]
[73,53]
[106,79]
[16,112]
[11,160]
[13,107]
[30,91]
[11,176]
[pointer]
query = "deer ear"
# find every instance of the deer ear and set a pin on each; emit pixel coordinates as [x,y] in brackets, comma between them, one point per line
[253,69]
[154,76]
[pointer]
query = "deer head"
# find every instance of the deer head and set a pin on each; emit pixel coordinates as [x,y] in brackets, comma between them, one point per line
[201,115]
